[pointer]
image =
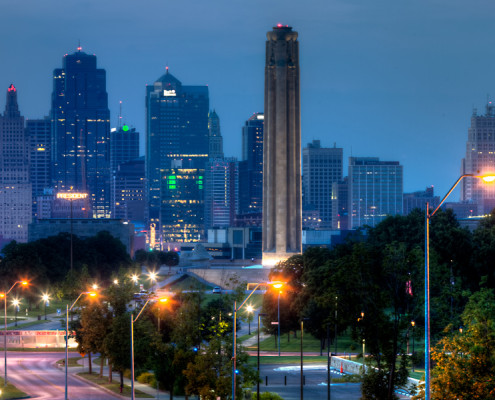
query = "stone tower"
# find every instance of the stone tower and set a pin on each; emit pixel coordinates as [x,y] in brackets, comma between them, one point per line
[282,148]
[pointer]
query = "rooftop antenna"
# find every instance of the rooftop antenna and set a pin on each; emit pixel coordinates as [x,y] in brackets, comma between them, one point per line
[119,124]
[79,48]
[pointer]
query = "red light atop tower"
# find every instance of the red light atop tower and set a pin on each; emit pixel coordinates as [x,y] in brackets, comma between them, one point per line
[12,88]
[279,25]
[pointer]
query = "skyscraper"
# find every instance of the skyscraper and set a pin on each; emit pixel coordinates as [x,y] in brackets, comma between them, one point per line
[128,191]
[124,145]
[221,180]
[176,129]
[81,131]
[375,190]
[215,139]
[282,224]
[480,160]
[322,166]
[251,166]
[15,188]
[39,132]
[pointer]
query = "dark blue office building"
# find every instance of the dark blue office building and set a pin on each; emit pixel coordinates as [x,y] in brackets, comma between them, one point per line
[81,131]
[176,131]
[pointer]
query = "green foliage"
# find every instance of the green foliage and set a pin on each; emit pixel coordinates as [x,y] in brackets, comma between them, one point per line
[267,396]
[147,378]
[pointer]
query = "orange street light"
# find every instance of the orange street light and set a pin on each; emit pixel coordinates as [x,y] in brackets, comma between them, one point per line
[4,296]
[161,300]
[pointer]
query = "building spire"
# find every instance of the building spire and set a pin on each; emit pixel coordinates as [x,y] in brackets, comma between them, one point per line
[11,106]
[79,48]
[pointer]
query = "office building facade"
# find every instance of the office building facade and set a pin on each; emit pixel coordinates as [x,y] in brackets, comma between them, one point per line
[81,131]
[15,187]
[39,133]
[480,160]
[215,139]
[221,189]
[128,191]
[251,166]
[375,190]
[176,129]
[321,168]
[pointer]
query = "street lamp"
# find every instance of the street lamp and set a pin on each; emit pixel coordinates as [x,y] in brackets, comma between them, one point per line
[162,300]
[4,295]
[152,277]
[413,324]
[302,370]
[134,278]
[258,380]
[249,310]
[276,285]
[92,294]
[45,299]
[486,178]
[15,303]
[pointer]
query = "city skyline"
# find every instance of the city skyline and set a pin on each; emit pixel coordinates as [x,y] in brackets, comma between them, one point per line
[395,81]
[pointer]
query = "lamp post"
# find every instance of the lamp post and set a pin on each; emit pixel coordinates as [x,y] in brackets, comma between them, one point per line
[428,215]
[92,294]
[302,368]
[45,299]
[278,321]
[162,300]
[276,285]
[152,278]
[258,380]
[249,310]
[4,295]
[15,303]
[336,306]
[329,361]
[413,324]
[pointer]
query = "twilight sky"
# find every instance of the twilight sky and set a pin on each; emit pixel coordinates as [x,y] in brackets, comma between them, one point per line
[392,79]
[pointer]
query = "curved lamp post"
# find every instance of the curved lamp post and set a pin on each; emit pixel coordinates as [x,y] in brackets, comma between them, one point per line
[276,285]
[428,215]
[162,300]
[92,294]
[4,295]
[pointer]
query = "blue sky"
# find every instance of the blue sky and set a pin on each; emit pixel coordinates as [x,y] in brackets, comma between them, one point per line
[391,79]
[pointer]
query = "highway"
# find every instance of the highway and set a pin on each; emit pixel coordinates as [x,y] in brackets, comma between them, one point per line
[37,375]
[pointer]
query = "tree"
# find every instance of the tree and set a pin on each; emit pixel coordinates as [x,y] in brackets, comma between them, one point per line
[465,361]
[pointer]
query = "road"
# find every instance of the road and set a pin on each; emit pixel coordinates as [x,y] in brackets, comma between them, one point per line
[37,375]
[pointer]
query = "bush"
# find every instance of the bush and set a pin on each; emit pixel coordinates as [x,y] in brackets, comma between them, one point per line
[267,396]
[146,377]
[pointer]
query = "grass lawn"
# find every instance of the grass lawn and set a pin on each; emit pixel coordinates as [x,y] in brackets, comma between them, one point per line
[10,392]
[114,386]
[21,325]
[72,361]
[288,360]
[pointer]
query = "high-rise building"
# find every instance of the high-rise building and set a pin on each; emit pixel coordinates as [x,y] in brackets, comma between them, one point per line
[176,129]
[251,166]
[322,166]
[128,191]
[39,132]
[124,145]
[221,180]
[15,188]
[282,221]
[215,137]
[182,207]
[375,190]
[419,200]
[480,160]
[340,204]
[81,131]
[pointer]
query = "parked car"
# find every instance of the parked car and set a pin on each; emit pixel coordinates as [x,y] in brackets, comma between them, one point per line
[217,290]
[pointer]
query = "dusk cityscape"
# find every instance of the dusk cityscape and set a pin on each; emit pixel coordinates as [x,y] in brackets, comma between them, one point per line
[247,201]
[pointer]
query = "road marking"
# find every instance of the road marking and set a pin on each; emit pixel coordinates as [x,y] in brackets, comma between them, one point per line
[43,379]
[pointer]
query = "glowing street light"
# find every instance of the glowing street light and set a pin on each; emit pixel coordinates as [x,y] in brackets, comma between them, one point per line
[276,285]
[15,303]
[135,279]
[487,178]
[45,299]
[161,300]
[91,294]
[4,295]
[249,310]
[152,275]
